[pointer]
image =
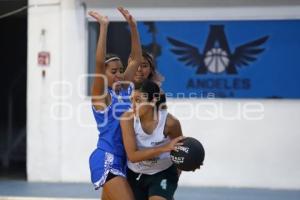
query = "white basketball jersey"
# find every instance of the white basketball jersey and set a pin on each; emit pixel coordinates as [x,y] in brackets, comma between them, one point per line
[156,139]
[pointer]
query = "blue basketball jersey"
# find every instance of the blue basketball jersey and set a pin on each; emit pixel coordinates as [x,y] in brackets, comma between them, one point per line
[108,122]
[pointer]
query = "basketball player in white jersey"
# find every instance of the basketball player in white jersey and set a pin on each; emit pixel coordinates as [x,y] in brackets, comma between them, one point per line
[149,134]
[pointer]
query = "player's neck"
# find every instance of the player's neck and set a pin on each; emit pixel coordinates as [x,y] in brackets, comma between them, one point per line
[152,115]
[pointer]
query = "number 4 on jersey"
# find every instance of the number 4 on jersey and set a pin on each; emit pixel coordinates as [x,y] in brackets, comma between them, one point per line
[163,184]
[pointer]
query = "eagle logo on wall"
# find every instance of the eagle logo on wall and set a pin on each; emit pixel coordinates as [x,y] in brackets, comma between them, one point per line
[217,57]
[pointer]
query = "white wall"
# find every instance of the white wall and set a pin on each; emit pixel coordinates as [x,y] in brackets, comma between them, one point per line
[244,148]
[241,152]
[43,133]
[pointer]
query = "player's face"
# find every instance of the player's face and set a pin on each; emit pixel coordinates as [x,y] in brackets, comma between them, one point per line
[140,103]
[113,72]
[143,71]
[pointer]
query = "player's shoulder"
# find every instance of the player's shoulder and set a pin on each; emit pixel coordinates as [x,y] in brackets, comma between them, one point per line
[128,114]
[172,121]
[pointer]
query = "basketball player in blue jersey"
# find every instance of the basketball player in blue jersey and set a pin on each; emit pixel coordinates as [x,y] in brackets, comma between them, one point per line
[110,100]
[149,134]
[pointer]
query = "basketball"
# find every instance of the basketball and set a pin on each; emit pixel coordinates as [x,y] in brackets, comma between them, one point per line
[189,156]
[216,60]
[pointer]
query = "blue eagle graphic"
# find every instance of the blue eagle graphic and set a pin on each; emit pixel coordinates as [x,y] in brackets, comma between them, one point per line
[217,57]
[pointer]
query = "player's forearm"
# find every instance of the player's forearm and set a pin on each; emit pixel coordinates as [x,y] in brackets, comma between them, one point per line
[136,53]
[101,50]
[145,154]
[136,49]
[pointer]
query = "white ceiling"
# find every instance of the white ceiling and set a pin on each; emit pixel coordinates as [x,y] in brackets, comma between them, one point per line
[190,3]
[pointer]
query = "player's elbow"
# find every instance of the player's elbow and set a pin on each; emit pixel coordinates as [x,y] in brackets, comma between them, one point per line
[136,60]
[132,158]
[135,64]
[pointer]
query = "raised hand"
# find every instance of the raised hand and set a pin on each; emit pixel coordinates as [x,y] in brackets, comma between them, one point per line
[103,20]
[131,21]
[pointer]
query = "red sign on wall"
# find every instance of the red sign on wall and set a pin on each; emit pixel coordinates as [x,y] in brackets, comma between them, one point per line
[44,58]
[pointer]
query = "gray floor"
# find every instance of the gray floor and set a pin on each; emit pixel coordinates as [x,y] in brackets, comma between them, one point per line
[73,190]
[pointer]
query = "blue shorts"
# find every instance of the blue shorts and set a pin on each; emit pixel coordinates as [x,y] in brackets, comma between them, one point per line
[102,163]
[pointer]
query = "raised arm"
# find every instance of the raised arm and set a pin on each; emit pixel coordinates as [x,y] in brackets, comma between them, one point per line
[98,86]
[135,155]
[136,49]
